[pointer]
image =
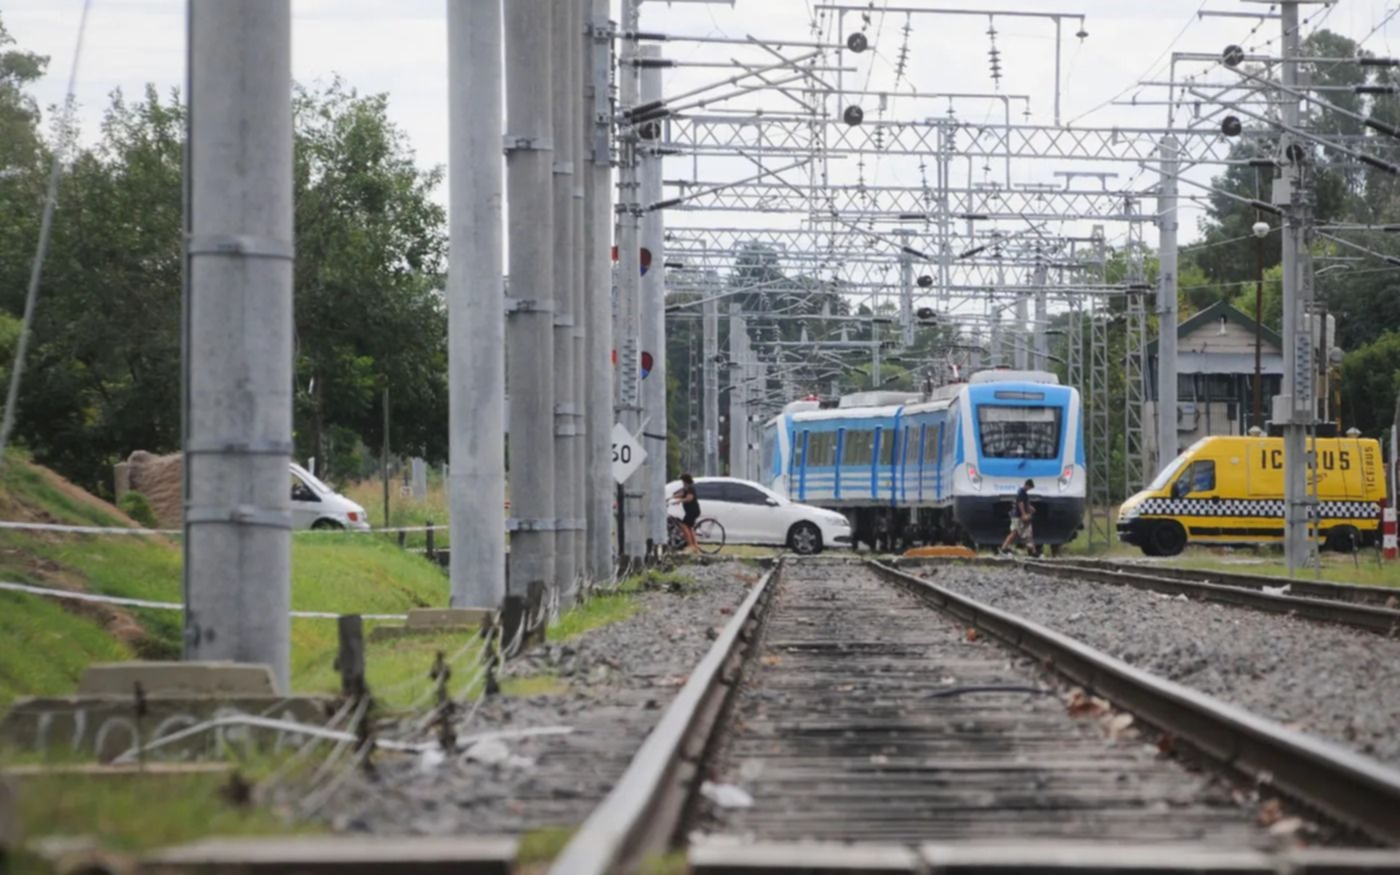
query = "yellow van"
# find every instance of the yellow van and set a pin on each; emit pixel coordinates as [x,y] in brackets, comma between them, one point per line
[1229,490]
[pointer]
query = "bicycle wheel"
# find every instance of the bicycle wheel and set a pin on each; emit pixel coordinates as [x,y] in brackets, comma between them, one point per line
[674,536]
[709,534]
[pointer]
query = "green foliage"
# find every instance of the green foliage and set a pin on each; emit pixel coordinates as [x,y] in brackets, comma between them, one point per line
[1371,384]
[103,377]
[600,610]
[138,507]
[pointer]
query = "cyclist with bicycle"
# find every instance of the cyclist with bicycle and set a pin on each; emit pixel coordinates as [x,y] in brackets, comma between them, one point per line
[690,504]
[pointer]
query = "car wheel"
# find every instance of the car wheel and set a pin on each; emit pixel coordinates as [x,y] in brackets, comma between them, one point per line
[324,525]
[1343,539]
[1167,538]
[805,539]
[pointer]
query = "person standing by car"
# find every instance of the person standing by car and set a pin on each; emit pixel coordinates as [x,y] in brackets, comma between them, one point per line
[1021,513]
[690,504]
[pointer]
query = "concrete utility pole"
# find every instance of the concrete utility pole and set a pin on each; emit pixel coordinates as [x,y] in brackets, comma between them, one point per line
[653,323]
[530,329]
[568,479]
[1038,329]
[476,487]
[1019,336]
[629,285]
[710,377]
[238,348]
[1294,408]
[738,392]
[1167,306]
[598,296]
[906,290]
[581,133]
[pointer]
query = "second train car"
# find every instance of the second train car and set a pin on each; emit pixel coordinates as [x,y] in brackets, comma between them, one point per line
[940,468]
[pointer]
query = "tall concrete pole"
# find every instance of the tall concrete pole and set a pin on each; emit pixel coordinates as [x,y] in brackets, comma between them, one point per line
[653,324]
[1167,305]
[906,291]
[1042,340]
[1019,336]
[581,89]
[568,479]
[710,377]
[598,298]
[629,287]
[1294,408]
[738,393]
[476,486]
[530,329]
[238,442]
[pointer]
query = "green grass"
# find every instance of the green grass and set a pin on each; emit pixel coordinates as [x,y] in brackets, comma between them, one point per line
[134,813]
[333,574]
[405,512]
[600,610]
[540,846]
[1361,570]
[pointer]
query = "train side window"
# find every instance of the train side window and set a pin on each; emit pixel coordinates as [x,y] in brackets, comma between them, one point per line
[858,448]
[887,441]
[822,451]
[799,442]
[930,445]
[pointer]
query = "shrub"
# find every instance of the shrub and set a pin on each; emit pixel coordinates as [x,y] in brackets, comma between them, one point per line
[138,507]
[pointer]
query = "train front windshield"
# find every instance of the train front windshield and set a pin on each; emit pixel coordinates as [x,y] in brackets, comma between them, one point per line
[1019,432]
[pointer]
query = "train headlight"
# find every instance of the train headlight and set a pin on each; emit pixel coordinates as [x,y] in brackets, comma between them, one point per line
[974,478]
[1065,477]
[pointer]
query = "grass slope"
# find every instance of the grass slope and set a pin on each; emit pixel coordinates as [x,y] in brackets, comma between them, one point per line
[48,643]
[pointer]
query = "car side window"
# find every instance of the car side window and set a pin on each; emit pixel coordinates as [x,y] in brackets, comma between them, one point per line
[738,493]
[709,491]
[1203,477]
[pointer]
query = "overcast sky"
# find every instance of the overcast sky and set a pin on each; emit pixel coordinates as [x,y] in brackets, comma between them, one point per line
[399,47]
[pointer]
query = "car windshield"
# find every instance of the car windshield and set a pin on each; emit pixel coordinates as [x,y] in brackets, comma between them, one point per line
[1019,432]
[1165,477]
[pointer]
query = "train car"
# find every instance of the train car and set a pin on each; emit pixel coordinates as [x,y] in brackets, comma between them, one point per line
[946,467]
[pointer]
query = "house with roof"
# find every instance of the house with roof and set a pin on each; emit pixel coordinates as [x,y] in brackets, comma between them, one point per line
[1215,376]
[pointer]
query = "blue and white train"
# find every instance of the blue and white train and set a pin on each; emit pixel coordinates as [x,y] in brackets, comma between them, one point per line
[937,468]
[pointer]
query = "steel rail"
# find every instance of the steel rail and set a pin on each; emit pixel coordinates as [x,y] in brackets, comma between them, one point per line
[642,812]
[1348,787]
[1379,596]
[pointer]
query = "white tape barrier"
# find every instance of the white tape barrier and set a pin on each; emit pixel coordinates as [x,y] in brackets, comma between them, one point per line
[115,530]
[160,606]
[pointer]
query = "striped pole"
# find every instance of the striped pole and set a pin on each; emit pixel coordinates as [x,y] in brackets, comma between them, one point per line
[1388,541]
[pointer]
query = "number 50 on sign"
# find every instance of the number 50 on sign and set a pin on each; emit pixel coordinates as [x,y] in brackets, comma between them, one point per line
[627,454]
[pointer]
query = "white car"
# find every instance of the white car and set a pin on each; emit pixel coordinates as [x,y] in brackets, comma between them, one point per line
[753,514]
[317,506]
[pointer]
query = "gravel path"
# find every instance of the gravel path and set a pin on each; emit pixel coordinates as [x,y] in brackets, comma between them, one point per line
[1338,683]
[619,679]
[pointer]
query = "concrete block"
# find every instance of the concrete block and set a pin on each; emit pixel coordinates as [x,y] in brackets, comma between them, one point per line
[798,858]
[447,618]
[1034,857]
[313,855]
[178,679]
[106,727]
[9,815]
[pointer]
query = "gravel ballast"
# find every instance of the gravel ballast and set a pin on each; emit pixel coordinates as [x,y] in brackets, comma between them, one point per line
[1330,681]
[616,681]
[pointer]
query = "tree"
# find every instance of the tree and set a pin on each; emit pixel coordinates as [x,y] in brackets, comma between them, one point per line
[103,377]
[1371,384]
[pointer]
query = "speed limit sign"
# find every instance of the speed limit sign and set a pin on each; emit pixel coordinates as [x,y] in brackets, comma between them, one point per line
[627,454]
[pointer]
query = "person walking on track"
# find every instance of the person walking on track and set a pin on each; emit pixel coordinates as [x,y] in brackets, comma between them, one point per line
[690,504]
[1021,513]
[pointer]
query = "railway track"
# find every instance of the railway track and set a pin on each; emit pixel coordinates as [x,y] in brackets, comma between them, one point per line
[1360,607]
[857,704]
[1376,596]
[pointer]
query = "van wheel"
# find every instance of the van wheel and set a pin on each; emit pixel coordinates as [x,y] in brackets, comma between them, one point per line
[1166,539]
[1343,539]
[805,539]
[326,526]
